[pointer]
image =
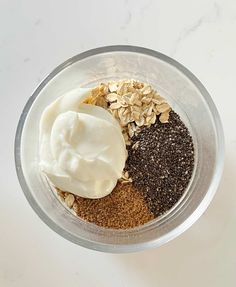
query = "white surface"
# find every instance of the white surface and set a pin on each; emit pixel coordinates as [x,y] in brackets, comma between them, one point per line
[35,36]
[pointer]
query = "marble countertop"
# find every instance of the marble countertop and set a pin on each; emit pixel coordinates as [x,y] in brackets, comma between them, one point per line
[35,36]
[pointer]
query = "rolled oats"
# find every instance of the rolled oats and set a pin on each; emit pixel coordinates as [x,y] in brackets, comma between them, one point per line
[115,106]
[69,200]
[112,97]
[125,178]
[164,117]
[146,90]
[132,103]
[136,145]
[112,87]
[163,107]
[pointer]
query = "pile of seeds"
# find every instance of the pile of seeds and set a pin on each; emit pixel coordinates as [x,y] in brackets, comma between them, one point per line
[160,163]
[124,208]
[160,158]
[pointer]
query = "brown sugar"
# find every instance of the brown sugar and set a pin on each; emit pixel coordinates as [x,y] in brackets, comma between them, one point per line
[124,208]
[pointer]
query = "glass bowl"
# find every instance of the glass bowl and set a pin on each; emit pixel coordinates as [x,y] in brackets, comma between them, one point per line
[187,97]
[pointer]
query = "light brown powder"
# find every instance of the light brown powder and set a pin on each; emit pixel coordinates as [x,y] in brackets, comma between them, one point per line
[122,209]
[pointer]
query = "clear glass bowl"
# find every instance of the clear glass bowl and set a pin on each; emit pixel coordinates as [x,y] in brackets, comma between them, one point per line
[187,97]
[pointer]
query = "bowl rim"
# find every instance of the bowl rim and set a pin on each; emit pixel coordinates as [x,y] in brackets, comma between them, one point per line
[123,248]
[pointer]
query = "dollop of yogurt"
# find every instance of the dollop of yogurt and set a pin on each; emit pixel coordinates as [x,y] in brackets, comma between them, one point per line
[81,146]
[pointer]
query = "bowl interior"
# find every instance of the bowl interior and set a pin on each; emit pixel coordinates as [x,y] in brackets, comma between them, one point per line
[186,96]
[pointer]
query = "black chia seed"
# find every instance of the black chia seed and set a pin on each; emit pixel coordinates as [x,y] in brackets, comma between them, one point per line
[161,164]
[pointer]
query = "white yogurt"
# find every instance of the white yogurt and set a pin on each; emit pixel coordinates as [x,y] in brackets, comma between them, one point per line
[82,149]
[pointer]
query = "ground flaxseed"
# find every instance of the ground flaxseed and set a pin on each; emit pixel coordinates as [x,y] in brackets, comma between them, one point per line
[160,162]
[124,208]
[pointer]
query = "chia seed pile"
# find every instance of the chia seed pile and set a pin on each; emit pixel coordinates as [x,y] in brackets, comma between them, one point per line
[159,165]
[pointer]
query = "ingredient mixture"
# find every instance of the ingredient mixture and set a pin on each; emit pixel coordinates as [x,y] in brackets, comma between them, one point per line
[117,154]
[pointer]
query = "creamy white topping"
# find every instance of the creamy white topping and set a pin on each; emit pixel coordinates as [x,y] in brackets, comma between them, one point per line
[82,149]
